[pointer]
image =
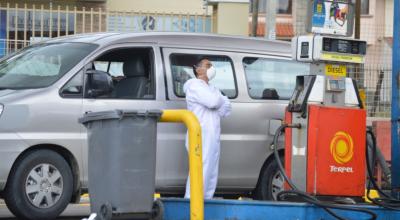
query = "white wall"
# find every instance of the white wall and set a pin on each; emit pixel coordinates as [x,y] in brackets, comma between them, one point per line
[389,6]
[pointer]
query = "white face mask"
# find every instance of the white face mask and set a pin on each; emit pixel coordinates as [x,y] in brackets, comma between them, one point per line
[211,72]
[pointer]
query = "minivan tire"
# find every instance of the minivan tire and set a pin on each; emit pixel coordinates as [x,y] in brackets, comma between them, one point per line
[268,185]
[28,172]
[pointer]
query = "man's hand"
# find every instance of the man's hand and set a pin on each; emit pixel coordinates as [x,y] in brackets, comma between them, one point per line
[226,109]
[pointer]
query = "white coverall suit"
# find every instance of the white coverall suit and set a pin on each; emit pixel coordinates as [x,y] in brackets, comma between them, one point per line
[209,106]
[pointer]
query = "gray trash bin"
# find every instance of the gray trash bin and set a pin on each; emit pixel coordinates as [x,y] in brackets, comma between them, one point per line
[122,158]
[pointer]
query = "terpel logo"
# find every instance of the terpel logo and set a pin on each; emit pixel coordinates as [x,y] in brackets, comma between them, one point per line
[342,147]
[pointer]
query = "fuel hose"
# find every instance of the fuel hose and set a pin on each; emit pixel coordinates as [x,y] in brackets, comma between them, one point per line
[328,207]
[385,200]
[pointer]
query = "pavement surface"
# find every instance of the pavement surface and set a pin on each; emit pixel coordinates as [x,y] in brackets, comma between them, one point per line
[73,211]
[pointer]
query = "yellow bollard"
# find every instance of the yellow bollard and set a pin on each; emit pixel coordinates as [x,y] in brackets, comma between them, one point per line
[195,158]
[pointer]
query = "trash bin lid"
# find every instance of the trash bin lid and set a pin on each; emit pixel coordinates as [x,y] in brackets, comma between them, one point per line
[118,114]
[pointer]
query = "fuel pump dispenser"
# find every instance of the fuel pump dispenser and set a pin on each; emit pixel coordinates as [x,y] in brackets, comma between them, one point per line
[325,152]
[325,121]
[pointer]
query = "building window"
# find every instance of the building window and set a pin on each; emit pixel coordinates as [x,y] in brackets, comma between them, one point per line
[364,7]
[283,6]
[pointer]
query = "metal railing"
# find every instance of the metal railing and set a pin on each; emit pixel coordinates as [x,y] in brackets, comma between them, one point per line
[375,81]
[24,25]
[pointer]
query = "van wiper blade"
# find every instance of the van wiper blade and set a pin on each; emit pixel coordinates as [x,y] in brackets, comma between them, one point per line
[18,88]
[3,88]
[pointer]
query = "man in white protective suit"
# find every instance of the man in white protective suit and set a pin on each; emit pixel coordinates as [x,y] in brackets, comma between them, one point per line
[209,106]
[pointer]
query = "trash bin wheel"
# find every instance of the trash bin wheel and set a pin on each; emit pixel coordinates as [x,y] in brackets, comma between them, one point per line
[157,212]
[105,212]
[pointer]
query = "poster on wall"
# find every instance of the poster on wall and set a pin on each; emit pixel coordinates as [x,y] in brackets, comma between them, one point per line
[333,17]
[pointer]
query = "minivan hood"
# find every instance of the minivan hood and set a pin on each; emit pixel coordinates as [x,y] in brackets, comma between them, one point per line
[7,95]
[5,92]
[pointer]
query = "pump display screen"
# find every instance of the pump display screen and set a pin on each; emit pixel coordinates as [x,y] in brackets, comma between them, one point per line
[336,85]
[344,46]
[304,50]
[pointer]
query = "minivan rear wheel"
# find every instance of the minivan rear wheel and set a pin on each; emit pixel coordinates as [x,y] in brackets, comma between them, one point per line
[271,181]
[39,186]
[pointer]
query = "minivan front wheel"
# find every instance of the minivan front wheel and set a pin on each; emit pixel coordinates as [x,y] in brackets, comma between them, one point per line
[271,181]
[39,186]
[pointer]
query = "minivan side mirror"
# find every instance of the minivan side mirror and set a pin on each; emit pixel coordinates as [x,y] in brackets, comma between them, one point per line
[99,83]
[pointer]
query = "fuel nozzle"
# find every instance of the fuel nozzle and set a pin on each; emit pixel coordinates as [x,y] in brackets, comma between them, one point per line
[296,125]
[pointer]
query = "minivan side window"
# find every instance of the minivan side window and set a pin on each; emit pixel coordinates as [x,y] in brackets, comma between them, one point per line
[132,72]
[74,87]
[115,69]
[182,70]
[271,78]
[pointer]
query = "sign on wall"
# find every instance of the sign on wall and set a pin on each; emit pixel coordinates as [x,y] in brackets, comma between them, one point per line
[3,33]
[44,20]
[334,17]
[139,23]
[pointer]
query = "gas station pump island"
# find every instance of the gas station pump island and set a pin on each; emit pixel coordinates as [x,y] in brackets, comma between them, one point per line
[326,123]
[325,144]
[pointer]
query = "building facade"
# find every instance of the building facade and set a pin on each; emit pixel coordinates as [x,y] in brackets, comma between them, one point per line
[24,22]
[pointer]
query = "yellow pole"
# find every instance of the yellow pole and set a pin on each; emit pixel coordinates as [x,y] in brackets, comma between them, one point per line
[195,158]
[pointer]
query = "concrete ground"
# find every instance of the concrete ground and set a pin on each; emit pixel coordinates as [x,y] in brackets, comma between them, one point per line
[73,212]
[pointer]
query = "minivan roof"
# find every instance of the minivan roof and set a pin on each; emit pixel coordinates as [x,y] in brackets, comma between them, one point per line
[187,40]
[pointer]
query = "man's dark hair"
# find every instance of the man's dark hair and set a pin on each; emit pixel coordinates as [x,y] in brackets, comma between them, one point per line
[198,62]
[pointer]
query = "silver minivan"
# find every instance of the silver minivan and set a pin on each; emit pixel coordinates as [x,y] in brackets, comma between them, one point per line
[46,87]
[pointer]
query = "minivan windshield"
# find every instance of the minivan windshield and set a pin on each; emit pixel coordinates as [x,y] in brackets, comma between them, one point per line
[41,65]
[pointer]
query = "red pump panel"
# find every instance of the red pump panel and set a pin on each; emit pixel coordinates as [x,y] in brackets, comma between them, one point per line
[336,151]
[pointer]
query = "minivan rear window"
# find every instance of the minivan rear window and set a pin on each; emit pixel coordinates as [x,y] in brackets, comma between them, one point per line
[272,78]
[41,65]
[182,70]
